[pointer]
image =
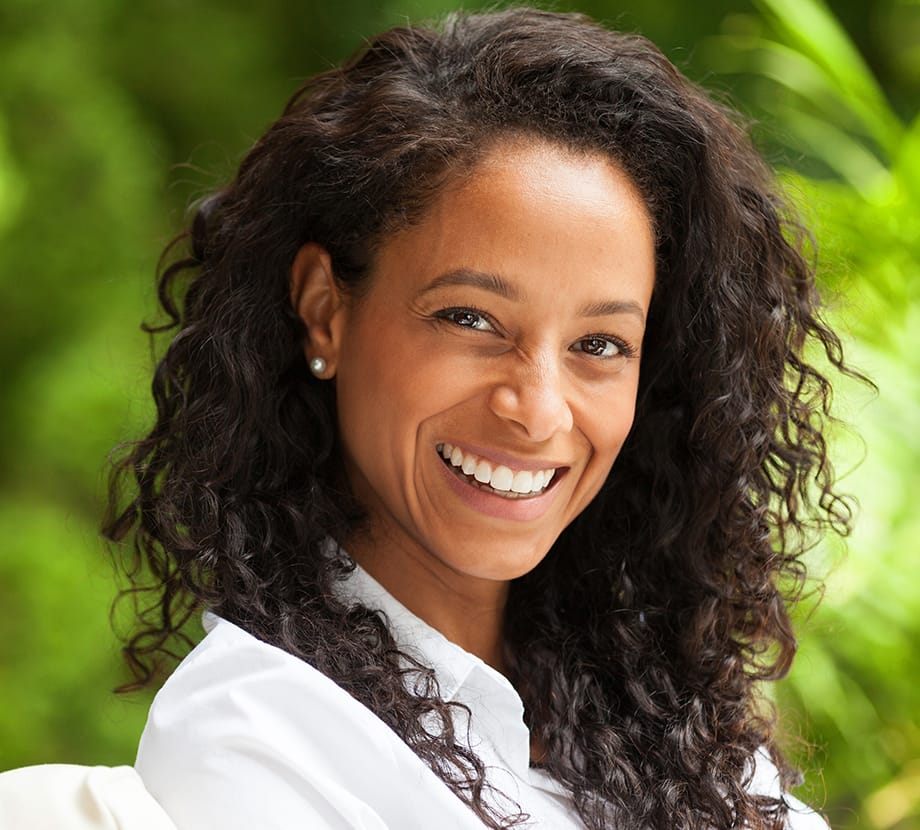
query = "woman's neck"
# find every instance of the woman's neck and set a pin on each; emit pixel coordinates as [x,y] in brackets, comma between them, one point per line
[467,610]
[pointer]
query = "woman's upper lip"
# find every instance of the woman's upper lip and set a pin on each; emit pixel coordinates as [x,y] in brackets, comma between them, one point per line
[515,462]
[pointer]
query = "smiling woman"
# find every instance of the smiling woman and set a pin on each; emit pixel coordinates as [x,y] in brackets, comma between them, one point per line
[518,300]
[485,443]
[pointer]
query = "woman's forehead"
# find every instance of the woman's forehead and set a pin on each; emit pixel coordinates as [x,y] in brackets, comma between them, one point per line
[528,213]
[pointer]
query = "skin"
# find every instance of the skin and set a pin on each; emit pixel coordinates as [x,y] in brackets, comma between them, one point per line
[526,369]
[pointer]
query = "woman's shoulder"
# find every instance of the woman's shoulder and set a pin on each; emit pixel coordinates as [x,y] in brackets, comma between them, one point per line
[766,781]
[232,673]
[232,682]
[243,733]
[229,657]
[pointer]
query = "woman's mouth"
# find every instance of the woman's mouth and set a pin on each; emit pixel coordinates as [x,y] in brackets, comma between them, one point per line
[495,478]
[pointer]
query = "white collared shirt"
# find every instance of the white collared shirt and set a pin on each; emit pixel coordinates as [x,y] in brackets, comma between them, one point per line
[244,736]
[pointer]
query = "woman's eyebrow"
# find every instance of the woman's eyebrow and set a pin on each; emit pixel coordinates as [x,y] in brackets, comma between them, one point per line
[608,307]
[489,281]
[477,279]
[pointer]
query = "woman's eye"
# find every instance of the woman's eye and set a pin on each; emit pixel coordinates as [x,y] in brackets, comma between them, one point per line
[599,347]
[466,318]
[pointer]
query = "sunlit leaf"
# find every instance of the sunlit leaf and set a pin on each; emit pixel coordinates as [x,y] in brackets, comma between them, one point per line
[809,27]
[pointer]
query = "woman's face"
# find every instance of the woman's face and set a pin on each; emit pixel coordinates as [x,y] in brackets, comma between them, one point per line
[487,379]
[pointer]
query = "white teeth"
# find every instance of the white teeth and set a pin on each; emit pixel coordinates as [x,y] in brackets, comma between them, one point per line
[501,479]
[483,472]
[523,482]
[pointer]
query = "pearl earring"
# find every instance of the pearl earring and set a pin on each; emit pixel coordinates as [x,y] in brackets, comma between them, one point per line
[317,366]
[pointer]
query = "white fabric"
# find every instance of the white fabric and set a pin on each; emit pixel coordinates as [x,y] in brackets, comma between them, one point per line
[69,797]
[244,735]
[766,782]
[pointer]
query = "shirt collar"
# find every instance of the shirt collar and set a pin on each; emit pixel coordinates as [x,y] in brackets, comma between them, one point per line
[496,709]
[452,664]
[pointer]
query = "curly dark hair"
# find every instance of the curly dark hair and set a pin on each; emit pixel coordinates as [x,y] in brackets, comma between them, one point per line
[639,642]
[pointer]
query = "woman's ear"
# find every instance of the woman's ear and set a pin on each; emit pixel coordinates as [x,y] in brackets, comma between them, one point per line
[319,302]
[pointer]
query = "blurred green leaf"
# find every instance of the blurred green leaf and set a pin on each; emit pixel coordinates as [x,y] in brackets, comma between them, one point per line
[853,689]
[808,27]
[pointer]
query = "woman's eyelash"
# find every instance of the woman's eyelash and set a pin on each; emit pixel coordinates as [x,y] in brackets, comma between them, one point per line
[466,317]
[478,320]
[598,341]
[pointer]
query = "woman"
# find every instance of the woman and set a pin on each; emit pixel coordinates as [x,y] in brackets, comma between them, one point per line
[464,564]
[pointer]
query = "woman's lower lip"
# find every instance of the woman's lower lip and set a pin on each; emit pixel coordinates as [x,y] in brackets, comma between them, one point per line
[499,507]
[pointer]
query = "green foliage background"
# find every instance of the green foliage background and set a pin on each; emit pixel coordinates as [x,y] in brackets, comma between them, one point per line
[115,115]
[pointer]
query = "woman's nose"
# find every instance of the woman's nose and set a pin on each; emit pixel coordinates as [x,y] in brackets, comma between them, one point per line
[533,396]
